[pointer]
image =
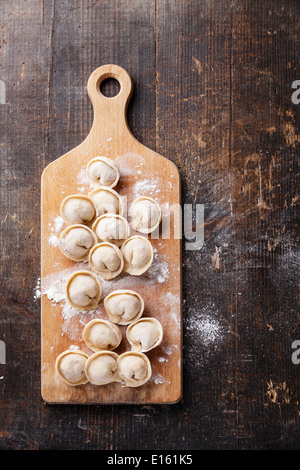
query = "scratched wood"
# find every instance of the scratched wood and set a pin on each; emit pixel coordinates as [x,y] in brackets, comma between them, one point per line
[111,137]
[212,93]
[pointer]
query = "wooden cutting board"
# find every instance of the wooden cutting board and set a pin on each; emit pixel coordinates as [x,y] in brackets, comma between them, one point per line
[143,172]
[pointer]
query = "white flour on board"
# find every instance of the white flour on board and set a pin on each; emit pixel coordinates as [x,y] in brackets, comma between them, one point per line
[158,379]
[162,359]
[54,285]
[146,186]
[82,180]
[123,160]
[159,270]
[172,302]
[167,349]
[53,240]
[55,227]
[57,224]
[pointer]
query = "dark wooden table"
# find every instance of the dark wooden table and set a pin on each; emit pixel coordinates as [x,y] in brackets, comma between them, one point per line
[213,92]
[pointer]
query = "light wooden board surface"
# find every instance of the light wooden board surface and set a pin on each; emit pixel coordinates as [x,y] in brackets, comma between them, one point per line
[143,172]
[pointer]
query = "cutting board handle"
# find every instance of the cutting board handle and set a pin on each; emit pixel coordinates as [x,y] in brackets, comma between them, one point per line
[110,113]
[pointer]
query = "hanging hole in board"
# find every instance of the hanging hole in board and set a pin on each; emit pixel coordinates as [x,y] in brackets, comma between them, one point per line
[110,87]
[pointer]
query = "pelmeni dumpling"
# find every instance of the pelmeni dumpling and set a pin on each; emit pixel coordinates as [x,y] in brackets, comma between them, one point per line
[106,201]
[70,366]
[144,334]
[112,228]
[103,171]
[101,368]
[77,209]
[124,306]
[134,368]
[138,255]
[106,259]
[101,335]
[83,290]
[76,241]
[145,214]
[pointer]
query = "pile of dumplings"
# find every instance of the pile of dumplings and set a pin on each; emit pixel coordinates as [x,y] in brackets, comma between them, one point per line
[98,233]
[104,366]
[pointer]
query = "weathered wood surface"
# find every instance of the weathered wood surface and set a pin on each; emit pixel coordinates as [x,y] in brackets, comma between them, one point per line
[212,93]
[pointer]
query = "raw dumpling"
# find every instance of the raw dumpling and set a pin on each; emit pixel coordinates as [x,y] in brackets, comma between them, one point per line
[134,368]
[83,290]
[124,306]
[70,366]
[101,335]
[138,255]
[101,368]
[106,201]
[103,171]
[76,241]
[144,334]
[106,259]
[77,209]
[112,228]
[145,214]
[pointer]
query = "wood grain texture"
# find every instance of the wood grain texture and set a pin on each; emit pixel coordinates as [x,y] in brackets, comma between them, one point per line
[213,94]
[110,137]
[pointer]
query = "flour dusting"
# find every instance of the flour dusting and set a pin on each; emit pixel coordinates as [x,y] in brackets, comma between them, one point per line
[162,359]
[123,162]
[172,302]
[159,270]
[204,327]
[146,186]
[58,224]
[167,349]
[158,379]
[82,180]
[55,292]
[53,240]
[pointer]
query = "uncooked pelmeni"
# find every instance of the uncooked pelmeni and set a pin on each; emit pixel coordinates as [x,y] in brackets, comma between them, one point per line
[101,335]
[145,214]
[102,171]
[70,366]
[77,209]
[144,334]
[76,241]
[138,255]
[134,368]
[112,228]
[83,290]
[101,368]
[124,306]
[106,259]
[106,201]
